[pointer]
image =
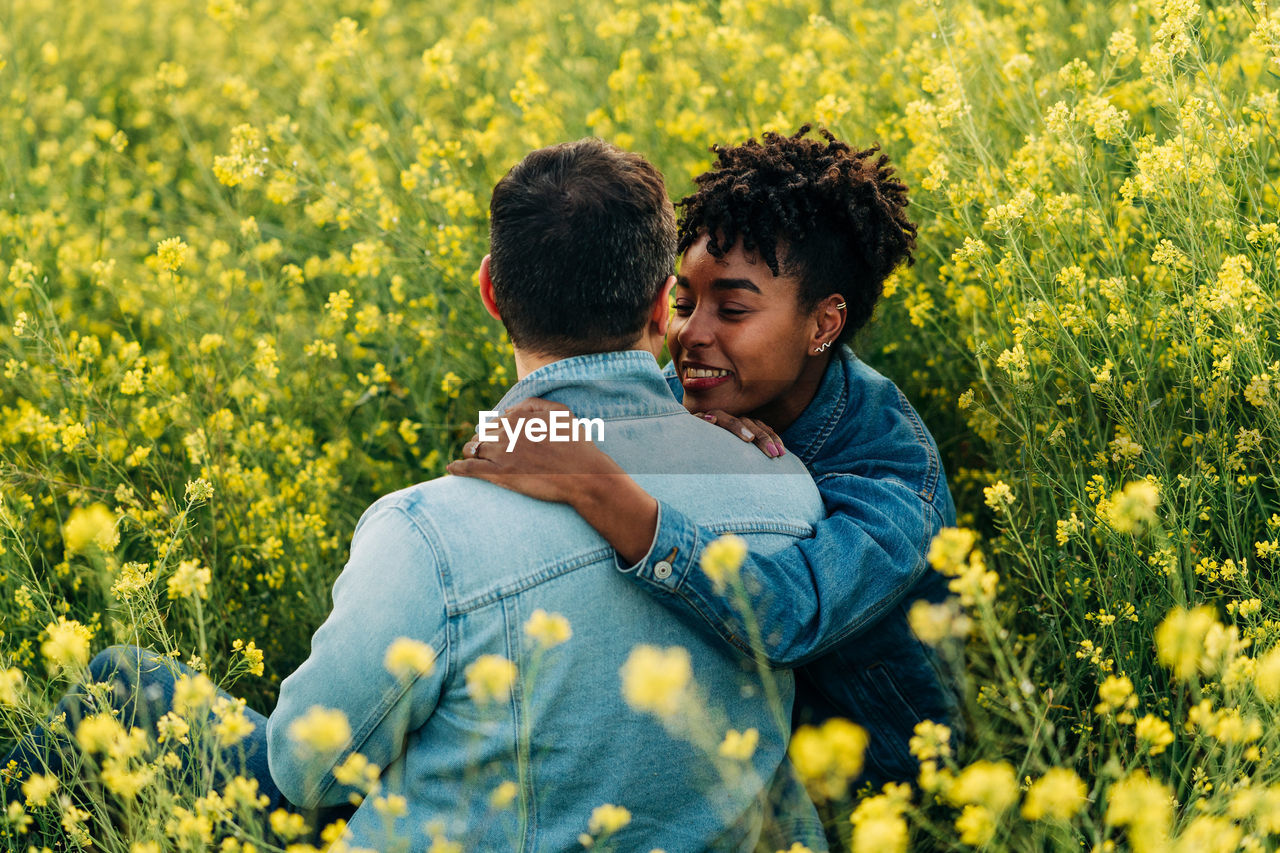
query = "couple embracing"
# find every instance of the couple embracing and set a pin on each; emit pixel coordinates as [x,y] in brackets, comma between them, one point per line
[562,666]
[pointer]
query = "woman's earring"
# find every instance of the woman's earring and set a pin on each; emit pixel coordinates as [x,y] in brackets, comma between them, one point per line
[824,346]
[843,305]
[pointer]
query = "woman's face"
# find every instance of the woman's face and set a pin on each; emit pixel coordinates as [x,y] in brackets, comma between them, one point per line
[739,339]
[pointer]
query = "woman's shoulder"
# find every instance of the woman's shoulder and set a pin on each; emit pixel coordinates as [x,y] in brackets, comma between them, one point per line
[878,433]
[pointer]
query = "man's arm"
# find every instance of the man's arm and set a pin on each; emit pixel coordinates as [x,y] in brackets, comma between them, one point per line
[861,561]
[390,589]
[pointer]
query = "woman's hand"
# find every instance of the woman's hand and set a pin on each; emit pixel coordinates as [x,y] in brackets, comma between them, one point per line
[748,429]
[544,470]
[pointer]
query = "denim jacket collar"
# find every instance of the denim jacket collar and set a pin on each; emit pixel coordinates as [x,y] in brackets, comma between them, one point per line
[806,436]
[621,384]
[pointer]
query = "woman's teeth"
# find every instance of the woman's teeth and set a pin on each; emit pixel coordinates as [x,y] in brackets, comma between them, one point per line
[701,373]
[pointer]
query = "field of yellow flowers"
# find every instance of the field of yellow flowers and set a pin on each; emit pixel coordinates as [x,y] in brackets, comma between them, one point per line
[237,246]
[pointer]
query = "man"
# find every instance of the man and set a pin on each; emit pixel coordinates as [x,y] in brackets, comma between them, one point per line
[515,691]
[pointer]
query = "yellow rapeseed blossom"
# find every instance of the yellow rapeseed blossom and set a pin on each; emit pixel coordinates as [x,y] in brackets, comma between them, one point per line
[1134,506]
[67,646]
[38,789]
[91,525]
[828,757]
[1180,639]
[656,680]
[407,659]
[358,772]
[190,580]
[722,559]
[504,795]
[949,550]
[739,746]
[321,731]
[11,685]
[547,629]
[1154,732]
[489,679]
[171,254]
[1266,675]
[991,784]
[878,823]
[608,819]
[1144,806]
[1057,795]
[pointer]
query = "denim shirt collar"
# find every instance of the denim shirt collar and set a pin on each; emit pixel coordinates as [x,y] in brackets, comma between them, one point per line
[622,384]
[809,432]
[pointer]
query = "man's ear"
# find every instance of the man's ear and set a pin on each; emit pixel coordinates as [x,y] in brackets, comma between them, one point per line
[660,313]
[486,290]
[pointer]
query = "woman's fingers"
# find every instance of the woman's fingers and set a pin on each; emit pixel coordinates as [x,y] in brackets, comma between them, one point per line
[748,429]
[766,439]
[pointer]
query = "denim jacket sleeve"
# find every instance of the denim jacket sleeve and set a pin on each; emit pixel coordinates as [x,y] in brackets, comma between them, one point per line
[390,588]
[862,560]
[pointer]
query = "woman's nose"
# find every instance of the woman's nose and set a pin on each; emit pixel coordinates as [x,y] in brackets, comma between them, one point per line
[696,330]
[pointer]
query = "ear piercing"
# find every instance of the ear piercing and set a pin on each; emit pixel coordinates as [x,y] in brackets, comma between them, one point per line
[843,305]
[824,346]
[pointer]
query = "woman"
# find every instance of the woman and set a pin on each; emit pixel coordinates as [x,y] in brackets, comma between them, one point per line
[786,246]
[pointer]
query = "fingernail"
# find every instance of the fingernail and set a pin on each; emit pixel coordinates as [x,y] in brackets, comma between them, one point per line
[711,418]
[773,450]
[747,434]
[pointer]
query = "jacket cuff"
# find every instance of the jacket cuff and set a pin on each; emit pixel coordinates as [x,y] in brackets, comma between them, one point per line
[671,554]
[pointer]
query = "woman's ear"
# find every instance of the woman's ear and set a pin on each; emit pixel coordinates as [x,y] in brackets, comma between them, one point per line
[829,318]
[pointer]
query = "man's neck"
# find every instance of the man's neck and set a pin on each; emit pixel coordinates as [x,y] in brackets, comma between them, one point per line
[527,362]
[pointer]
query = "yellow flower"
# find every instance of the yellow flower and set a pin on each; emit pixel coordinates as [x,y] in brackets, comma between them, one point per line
[949,550]
[193,693]
[547,629]
[322,731]
[656,680]
[722,559]
[1154,731]
[489,679]
[827,758]
[987,783]
[190,580]
[503,795]
[91,525]
[976,825]
[739,746]
[608,819]
[67,646]
[931,740]
[357,772]
[1180,639]
[38,789]
[11,682]
[877,821]
[1266,675]
[171,254]
[1057,795]
[1134,506]
[407,659]
[1144,806]
[999,496]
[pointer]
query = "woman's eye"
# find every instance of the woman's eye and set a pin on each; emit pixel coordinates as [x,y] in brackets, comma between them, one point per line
[732,312]
[683,308]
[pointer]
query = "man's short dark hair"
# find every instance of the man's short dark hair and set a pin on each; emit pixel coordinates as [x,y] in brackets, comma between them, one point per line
[581,238]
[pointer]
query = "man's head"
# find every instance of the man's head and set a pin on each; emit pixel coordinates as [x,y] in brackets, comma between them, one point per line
[582,243]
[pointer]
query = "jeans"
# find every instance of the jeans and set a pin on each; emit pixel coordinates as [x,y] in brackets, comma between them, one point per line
[140,689]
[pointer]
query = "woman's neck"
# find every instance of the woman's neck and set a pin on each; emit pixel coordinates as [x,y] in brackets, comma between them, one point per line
[782,411]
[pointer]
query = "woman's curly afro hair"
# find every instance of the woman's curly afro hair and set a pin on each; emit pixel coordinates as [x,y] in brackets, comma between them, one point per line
[836,216]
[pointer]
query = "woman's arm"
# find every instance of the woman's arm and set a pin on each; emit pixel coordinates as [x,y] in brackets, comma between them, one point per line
[862,560]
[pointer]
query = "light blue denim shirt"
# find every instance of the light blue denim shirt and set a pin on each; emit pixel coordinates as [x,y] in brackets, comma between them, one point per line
[835,605]
[461,565]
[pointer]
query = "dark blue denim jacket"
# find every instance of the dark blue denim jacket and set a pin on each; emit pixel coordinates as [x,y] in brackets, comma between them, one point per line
[834,606]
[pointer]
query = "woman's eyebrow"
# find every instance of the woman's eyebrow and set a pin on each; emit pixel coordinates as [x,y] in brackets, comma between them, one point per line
[723,284]
[734,284]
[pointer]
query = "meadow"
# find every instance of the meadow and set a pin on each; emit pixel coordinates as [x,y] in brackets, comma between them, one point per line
[237,303]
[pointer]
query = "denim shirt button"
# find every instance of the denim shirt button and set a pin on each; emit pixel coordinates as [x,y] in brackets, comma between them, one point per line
[662,570]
